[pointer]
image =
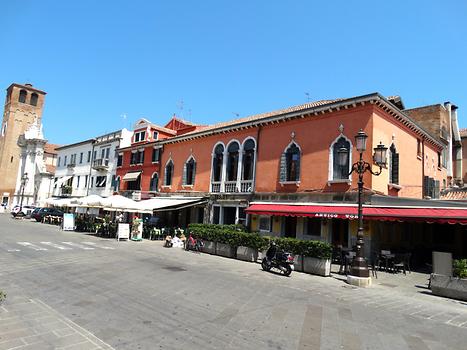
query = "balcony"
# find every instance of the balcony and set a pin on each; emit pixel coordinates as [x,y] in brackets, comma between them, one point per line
[100,164]
[71,165]
[243,186]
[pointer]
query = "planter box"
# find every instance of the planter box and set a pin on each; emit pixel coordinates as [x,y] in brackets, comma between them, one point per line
[316,266]
[298,263]
[261,255]
[247,254]
[209,247]
[225,250]
[450,287]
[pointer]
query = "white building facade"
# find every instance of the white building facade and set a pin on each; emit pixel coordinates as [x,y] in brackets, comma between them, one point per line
[34,180]
[89,167]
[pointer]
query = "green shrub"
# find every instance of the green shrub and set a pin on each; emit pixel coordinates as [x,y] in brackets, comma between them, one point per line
[235,236]
[460,268]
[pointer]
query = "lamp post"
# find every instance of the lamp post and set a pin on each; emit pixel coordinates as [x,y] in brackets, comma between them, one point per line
[24,181]
[359,274]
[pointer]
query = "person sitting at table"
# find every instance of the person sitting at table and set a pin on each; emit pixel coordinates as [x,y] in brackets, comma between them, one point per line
[168,241]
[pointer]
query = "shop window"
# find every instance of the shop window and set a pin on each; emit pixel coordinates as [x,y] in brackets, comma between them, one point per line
[290,164]
[229,216]
[217,160]
[216,214]
[265,223]
[313,226]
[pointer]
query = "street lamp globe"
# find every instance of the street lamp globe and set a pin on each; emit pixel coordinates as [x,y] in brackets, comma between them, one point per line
[380,155]
[360,141]
[342,156]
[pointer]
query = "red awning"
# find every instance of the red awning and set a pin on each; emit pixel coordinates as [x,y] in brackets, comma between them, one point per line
[421,214]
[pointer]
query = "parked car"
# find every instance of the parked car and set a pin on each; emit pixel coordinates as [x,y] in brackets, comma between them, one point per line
[39,215]
[26,210]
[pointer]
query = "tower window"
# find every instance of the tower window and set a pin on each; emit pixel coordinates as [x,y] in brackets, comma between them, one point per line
[22,96]
[34,98]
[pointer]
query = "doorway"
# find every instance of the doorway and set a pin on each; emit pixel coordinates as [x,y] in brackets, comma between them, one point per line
[340,233]
[290,226]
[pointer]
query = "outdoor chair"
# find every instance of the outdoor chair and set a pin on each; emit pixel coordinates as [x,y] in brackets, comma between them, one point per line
[402,263]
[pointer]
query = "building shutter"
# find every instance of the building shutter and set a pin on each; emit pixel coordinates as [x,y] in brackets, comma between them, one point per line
[395,168]
[184,174]
[283,168]
[193,174]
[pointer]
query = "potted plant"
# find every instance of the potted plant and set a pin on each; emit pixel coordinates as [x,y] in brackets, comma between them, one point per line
[317,258]
[452,287]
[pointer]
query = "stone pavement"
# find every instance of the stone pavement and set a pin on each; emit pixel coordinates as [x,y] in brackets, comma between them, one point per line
[28,324]
[140,295]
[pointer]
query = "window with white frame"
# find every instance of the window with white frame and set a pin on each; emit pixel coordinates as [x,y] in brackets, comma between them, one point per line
[290,164]
[264,224]
[189,172]
[169,169]
[232,161]
[155,135]
[140,136]
[248,160]
[154,182]
[217,161]
[340,172]
[155,155]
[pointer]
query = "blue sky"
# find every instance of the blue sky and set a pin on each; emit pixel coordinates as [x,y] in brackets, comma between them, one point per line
[99,60]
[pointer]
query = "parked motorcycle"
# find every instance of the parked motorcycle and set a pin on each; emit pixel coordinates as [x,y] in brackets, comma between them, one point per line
[278,259]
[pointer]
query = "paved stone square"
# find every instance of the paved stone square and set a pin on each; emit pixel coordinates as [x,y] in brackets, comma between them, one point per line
[139,295]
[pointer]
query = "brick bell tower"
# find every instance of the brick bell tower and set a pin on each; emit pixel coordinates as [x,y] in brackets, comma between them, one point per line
[23,107]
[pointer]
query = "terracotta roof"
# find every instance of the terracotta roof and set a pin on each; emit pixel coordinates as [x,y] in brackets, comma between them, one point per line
[463,132]
[454,194]
[264,115]
[50,168]
[51,148]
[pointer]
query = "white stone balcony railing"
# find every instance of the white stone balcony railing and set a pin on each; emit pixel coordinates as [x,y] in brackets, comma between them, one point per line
[246,186]
[230,187]
[215,187]
[243,186]
[100,164]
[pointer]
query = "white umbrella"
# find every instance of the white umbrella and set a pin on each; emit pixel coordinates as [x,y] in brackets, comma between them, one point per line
[92,201]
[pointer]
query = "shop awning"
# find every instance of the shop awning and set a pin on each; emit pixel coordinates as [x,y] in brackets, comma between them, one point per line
[170,203]
[350,211]
[131,176]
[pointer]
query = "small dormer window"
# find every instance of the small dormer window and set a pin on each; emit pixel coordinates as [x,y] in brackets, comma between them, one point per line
[140,136]
[155,135]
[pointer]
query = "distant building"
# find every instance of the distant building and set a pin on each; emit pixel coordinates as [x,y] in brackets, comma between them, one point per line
[23,108]
[89,167]
[37,161]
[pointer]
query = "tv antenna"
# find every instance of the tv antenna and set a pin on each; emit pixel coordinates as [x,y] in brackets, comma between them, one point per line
[307,94]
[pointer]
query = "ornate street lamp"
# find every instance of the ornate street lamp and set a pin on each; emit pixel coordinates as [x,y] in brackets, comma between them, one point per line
[24,181]
[359,266]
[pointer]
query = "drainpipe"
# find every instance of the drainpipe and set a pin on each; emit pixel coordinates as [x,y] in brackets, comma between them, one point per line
[447,105]
[90,167]
[458,145]
[423,168]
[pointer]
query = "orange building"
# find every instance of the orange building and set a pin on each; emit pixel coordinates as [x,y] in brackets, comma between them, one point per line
[281,167]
